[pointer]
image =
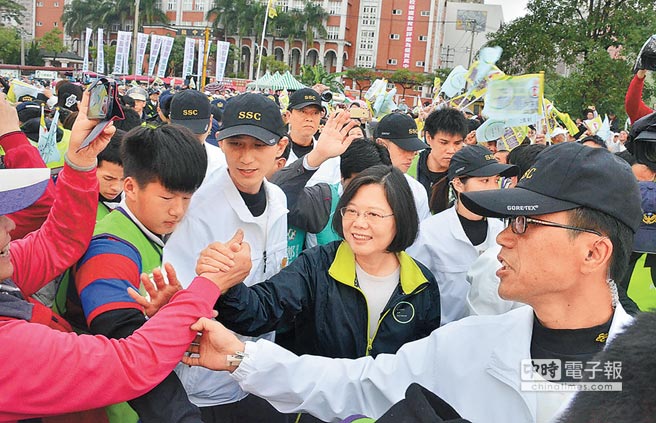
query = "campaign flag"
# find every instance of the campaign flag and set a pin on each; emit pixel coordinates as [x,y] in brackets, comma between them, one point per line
[167,44]
[513,137]
[593,125]
[142,42]
[87,40]
[122,53]
[222,50]
[47,144]
[271,9]
[515,99]
[455,82]
[199,66]
[155,45]
[100,54]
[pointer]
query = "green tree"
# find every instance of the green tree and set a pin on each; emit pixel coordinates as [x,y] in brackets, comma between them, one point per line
[33,55]
[362,77]
[314,16]
[11,10]
[317,74]
[52,42]
[407,79]
[9,45]
[579,34]
[272,65]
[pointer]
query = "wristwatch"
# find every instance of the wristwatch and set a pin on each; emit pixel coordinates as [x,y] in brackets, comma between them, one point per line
[236,358]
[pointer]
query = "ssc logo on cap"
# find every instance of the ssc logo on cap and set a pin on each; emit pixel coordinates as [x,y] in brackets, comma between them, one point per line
[310,97]
[412,131]
[250,115]
[190,112]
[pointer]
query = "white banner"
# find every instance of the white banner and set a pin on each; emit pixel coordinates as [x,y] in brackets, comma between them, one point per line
[167,44]
[155,45]
[100,56]
[87,40]
[222,50]
[142,42]
[188,62]
[201,50]
[122,53]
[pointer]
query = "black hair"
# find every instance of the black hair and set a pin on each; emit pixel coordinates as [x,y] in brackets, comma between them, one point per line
[217,113]
[620,235]
[112,152]
[627,157]
[132,120]
[472,124]
[447,120]
[170,154]
[399,196]
[524,156]
[165,105]
[635,402]
[595,139]
[362,154]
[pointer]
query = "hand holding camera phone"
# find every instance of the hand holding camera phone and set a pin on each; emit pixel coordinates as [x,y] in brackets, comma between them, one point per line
[103,105]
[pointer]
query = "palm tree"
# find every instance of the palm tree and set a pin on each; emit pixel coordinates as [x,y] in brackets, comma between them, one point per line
[314,17]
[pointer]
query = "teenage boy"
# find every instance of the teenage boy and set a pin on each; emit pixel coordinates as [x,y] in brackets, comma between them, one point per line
[110,176]
[445,131]
[398,133]
[129,241]
[237,196]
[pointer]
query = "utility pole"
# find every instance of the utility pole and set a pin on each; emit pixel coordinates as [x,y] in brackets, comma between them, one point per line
[135,31]
[22,60]
[472,26]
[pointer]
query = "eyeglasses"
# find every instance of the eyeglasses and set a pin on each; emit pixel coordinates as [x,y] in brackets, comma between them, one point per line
[518,225]
[350,213]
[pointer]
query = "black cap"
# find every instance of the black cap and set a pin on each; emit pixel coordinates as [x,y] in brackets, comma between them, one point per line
[304,97]
[252,114]
[644,129]
[566,176]
[191,108]
[401,129]
[68,95]
[645,238]
[476,160]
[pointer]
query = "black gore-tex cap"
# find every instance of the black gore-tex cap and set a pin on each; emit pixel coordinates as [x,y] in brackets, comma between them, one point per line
[255,115]
[400,129]
[564,177]
[476,160]
[304,97]
[191,108]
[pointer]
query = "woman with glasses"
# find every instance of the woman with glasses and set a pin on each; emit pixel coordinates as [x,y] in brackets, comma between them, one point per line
[360,296]
[451,241]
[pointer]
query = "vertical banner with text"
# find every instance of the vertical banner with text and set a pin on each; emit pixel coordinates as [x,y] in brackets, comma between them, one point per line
[87,40]
[142,42]
[199,67]
[222,50]
[122,53]
[409,31]
[155,45]
[188,62]
[100,56]
[167,44]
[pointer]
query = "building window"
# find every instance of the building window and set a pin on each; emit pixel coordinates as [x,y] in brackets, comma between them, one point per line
[39,23]
[333,32]
[283,5]
[56,4]
[334,8]
[364,61]
[128,27]
[391,61]
[39,4]
[420,63]
[171,5]
[423,38]
[369,15]
[397,12]
[395,37]
[425,13]
[55,24]
[116,27]
[186,5]
[199,6]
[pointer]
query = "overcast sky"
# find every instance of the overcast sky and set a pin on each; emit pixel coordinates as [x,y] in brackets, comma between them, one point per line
[511,8]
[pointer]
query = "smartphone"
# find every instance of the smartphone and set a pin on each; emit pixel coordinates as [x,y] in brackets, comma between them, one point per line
[100,99]
[358,113]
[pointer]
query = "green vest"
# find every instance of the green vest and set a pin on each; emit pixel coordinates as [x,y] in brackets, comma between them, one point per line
[328,234]
[295,242]
[412,170]
[62,147]
[641,286]
[103,211]
[120,226]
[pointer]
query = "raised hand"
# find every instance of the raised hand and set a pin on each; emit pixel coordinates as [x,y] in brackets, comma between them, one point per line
[160,292]
[334,138]
[81,128]
[9,122]
[212,347]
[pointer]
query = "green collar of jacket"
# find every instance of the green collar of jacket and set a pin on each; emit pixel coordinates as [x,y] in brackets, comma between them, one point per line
[343,269]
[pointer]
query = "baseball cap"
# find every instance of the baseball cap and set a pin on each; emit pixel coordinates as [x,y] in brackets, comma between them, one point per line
[164,102]
[401,129]
[28,110]
[252,114]
[32,128]
[644,129]
[68,95]
[191,108]
[566,176]
[304,97]
[19,188]
[558,131]
[645,238]
[137,93]
[476,160]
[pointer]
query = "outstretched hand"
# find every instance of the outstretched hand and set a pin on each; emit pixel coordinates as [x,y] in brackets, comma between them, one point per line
[212,346]
[83,127]
[160,292]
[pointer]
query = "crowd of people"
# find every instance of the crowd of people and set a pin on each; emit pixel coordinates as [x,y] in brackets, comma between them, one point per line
[233,257]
